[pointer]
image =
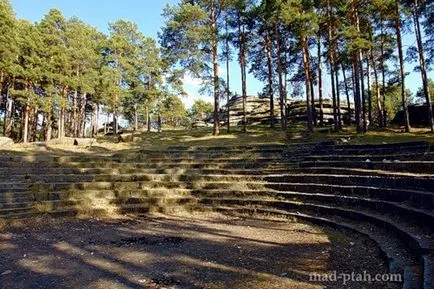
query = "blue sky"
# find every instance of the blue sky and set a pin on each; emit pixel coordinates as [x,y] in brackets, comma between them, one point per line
[147,14]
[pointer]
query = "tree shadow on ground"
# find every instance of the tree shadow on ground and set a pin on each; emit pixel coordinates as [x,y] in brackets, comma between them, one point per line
[171,252]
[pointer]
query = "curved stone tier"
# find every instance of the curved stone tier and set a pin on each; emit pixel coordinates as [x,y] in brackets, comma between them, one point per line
[384,192]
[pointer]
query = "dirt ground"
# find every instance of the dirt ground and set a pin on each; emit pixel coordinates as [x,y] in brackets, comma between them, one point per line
[180,251]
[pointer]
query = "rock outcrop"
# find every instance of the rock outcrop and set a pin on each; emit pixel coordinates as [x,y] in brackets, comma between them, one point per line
[5,142]
[258,112]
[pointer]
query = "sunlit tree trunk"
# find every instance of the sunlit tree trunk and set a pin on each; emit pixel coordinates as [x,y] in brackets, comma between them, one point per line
[422,63]
[74,120]
[338,99]
[320,84]
[270,76]
[241,31]
[280,73]
[369,89]
[347,92]
[401,66]
[214,45]
[48,126]
[228,93]
[331,55]
[306,64]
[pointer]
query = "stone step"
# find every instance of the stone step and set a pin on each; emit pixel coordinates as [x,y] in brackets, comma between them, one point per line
[392,201]
[31,167]
[358,171]
[22,197]
[422,183]
[22,211]
[243,147]
[350,150]
[237,151]
[417,215]
[368,157]
[156,162]
[155,155]
[28,174]
[404,166]
[122,186]
[395,145]
[83,205]
[429,271]
[393,250]
[416,198]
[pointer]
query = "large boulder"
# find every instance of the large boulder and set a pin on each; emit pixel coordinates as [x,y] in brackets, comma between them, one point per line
[126,137]
[5,142]
[258,111]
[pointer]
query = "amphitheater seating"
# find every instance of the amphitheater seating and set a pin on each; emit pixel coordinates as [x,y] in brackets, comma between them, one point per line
[385,191]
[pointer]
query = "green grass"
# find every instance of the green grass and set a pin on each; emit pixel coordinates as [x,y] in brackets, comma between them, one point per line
[265,135]
[375,136]
[202,137]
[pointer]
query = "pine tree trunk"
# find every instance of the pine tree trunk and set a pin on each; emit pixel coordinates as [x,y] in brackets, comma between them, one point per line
[422,63]
[82,122]
[305,51]
[280,73]
[377,90]
[48,126]
[136,118]
[148,119]
[331,55]
[74,120]
[33,124]
[383,76]
[106,123]
[115,122]
[312,99]
[214,45]
[268,49]
[228,93]
[338,99]
[357,100]
[26,124]
[62,114]
[347,93]
[357,73]
[334,101]
[243,74]
[94,120]
[401,66]
[369,91]
[320,88]
[362,87]
[9,116]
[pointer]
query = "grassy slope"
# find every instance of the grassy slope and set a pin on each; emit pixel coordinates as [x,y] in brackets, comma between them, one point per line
[204,137]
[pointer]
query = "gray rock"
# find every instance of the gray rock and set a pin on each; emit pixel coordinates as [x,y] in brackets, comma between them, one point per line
[6,142]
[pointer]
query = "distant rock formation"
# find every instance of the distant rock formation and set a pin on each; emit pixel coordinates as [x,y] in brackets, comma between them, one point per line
[297,111]
[258,112]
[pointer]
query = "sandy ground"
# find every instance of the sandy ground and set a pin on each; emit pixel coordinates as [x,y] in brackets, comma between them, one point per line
[181,251]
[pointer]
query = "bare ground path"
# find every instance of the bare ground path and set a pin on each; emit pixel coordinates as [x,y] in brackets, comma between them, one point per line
[181,251]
